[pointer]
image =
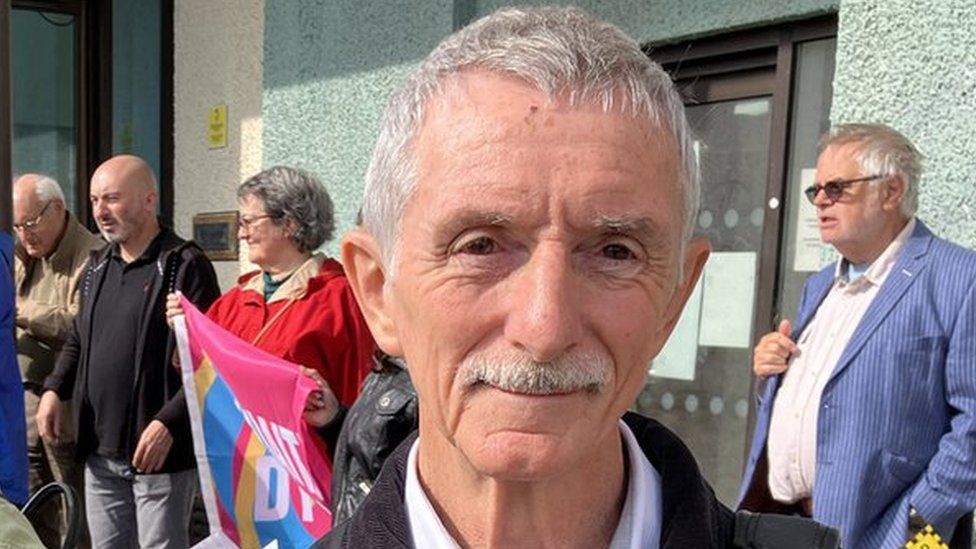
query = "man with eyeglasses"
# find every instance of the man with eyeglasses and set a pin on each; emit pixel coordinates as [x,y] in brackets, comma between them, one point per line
[867,404]
[51,251]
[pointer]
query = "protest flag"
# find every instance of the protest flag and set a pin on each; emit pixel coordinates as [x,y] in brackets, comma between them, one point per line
[264,472]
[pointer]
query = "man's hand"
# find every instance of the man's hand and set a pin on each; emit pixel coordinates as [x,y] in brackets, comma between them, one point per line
[321,406]
[773,351]
[23,304]
[173,307]
[48,417]
[153,447]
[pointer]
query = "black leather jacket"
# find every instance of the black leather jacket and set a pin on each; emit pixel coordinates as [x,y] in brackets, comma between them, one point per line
[382,416]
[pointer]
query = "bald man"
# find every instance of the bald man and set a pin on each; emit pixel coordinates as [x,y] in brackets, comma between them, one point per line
[131,419]
[51,251]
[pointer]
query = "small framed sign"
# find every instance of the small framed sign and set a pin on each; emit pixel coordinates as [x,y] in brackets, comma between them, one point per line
[216,233]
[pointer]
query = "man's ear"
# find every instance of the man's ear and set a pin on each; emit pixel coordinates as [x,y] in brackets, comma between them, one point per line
[151,200]
[696,255]
[363,263]
[893,193]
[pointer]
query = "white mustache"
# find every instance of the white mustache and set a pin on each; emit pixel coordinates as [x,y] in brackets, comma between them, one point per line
[516,372]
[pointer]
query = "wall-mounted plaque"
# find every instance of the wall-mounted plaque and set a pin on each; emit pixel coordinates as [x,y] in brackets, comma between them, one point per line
[216,233]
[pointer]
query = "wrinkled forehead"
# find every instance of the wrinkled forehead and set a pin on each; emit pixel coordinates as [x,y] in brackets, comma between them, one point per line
[484,131]
[840,158]
[483,105]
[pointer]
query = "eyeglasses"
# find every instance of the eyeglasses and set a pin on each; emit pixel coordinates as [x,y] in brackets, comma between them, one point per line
[245,223]
[31,224]
[834,189]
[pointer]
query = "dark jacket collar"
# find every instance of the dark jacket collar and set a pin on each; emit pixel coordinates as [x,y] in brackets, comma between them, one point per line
[691,515]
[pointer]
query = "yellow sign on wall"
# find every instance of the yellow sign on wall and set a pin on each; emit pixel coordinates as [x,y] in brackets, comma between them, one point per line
[217,127]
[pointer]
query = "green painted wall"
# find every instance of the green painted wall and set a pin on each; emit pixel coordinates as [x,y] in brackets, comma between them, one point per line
[329,68]
[671,20]
[330,65]
[915,68]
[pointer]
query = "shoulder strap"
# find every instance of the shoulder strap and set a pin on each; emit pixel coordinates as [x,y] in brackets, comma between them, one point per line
[276,316]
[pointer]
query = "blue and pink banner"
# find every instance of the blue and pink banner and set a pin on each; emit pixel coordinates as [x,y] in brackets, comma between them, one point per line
[264,473]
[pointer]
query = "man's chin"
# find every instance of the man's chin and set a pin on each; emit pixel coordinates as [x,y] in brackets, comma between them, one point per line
[522,437]
[515,456]
[33,251]
[114,238]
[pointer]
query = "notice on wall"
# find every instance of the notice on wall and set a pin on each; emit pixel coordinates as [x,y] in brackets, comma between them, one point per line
[678,357]
[807,247]
[728,297]
[217,127]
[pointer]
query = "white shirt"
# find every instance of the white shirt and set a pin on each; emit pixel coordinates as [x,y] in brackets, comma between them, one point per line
[792,442]
[640,518]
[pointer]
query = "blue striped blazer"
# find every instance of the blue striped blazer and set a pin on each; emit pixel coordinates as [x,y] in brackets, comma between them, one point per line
[897,423]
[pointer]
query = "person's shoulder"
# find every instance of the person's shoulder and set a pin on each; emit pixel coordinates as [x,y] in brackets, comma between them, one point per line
[691,514]
[329,281]
[331,270]
[953,256]
[245,278]
[381,519]
[663,448]
[82,240]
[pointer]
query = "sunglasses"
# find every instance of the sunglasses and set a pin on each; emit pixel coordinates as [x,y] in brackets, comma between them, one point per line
[835,188]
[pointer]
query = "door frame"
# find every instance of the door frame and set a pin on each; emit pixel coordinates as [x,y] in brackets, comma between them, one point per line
[740,65]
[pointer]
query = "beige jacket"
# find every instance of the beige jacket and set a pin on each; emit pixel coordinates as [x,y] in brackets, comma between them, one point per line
[47,299]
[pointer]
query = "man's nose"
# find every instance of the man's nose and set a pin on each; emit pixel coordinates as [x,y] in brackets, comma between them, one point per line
[544,317]
[820,199]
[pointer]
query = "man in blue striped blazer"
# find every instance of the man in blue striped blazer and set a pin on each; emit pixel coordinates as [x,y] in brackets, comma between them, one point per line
[867,404]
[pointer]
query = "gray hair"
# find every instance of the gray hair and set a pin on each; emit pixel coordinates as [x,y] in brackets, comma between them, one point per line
[290,193]
[555,49]
[882,150]
[46,188]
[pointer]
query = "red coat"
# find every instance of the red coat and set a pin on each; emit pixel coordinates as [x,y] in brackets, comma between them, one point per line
[321,326]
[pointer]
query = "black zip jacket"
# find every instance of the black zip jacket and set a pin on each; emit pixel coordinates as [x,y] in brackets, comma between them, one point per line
[158,390]
[691,515]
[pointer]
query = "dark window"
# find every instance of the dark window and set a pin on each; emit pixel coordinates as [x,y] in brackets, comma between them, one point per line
[91,79]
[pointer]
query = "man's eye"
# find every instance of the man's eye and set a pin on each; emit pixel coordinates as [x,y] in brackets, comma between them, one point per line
[481,245]
[617,252]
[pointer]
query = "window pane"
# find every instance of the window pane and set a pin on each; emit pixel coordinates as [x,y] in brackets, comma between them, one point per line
[810,119]
[43,76]
[136,79]
[700,383]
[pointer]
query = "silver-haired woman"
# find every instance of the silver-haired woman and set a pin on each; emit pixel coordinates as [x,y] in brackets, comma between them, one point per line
[298,304]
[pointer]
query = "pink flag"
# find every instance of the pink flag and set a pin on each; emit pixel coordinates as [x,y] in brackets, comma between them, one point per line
[264,472]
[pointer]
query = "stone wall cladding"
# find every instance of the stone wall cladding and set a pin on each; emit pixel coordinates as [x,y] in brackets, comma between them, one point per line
[912,65]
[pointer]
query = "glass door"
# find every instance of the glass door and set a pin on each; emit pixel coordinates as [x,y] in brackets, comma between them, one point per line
[757,102]
[700,384]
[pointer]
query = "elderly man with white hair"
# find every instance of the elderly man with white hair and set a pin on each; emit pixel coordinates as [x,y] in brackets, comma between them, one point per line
[51,251]
[867,415]
[526,248]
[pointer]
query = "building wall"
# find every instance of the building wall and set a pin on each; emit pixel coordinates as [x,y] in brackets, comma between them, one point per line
[915,69]
[314,95]
[665,21]
[330,67]
[218,55]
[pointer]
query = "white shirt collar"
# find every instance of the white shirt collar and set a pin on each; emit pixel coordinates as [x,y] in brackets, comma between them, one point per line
[878,271]
[640,519]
